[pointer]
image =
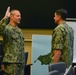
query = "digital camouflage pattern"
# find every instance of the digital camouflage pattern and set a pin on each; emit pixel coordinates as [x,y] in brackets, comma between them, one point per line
[13,43]
[14,69]
[62,39]
[44,59]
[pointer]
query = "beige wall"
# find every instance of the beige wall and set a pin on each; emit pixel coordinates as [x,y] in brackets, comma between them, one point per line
[28,39]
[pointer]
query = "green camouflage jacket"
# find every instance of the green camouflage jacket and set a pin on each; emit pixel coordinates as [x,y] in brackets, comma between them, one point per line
[13,43]
[62,39]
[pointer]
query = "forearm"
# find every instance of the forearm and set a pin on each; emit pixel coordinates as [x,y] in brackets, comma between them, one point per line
[57,54]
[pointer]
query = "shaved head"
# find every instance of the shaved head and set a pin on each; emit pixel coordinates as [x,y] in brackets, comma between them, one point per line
[12,11]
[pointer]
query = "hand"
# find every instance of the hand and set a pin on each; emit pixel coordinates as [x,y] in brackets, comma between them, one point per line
[7,14]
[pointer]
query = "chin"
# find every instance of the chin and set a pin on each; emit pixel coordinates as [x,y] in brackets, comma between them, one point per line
[18,22]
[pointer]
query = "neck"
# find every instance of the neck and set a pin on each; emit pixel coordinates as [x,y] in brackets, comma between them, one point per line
[59,22]
[13,24]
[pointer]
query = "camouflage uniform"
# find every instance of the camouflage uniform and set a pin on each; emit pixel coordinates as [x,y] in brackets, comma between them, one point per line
[13,42]
[62,39]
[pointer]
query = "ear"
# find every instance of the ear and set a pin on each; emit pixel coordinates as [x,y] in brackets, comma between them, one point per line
[59,16]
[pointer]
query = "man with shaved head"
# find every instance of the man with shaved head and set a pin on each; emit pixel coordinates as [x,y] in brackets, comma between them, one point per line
[13,43]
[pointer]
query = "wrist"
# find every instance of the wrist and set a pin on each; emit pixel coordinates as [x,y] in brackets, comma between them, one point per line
[5,17]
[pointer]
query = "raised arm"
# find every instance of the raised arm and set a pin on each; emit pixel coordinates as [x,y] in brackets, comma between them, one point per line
[4,21]
[7,14]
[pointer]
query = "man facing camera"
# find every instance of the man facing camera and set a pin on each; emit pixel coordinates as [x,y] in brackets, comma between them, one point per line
[13,43]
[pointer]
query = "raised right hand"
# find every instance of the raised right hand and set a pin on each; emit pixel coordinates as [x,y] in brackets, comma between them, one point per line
[7,14]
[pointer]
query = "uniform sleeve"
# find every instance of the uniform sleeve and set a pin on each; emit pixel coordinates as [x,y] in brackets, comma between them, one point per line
[57,39]
[3,23]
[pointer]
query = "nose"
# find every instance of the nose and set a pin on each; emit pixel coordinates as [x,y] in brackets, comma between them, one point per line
[19,17]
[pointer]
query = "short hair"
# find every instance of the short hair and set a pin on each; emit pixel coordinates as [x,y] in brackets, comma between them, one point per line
[11,13]
[62,12]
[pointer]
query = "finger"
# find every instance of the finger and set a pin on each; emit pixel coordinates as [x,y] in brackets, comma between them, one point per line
[8,9]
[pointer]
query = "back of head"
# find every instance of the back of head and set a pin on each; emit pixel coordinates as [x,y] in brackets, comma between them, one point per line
[62,13]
